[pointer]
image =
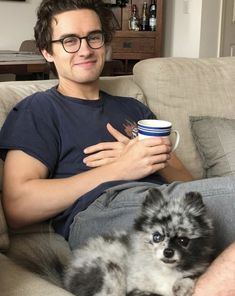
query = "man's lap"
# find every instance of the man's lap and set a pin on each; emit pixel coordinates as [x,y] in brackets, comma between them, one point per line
[117,208]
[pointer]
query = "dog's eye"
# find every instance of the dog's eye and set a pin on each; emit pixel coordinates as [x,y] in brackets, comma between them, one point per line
[157,237]
[183,241]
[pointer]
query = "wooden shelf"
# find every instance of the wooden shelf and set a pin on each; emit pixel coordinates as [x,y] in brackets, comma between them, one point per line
[132,46]
[138,34]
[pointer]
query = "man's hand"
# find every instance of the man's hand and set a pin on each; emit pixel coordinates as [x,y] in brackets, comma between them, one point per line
[136,158]
[106,152]
[141,158]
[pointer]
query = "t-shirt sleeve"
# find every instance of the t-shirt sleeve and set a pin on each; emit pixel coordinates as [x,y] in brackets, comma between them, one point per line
[146,112]
[29,130]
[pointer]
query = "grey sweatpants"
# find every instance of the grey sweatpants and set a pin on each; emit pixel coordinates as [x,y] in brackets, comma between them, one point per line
[118,206]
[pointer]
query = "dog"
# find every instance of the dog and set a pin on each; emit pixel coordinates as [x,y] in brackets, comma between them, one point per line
[169,247]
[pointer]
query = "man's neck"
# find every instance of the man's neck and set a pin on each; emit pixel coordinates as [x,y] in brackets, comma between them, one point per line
[86,91]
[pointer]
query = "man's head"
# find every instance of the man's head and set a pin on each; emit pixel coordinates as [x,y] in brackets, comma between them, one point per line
[50,8]
[72,34]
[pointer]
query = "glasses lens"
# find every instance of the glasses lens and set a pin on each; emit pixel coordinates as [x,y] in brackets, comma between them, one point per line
[95,40]
[71,44]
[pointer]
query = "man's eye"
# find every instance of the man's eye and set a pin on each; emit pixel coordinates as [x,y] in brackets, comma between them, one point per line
[70,40]
[158,237]
[94,37]
[183,241]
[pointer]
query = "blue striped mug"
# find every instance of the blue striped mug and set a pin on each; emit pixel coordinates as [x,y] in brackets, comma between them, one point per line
[157,128]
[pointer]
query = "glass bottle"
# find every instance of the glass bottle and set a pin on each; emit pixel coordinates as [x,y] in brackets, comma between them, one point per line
[152,16]
[134,20]
[144,18]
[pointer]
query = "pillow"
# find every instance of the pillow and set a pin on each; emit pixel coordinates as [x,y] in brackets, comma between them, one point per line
[215,141]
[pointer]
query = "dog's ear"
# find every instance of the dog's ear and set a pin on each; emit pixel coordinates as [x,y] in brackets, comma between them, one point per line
[195,203]
[154,197]
[154,201]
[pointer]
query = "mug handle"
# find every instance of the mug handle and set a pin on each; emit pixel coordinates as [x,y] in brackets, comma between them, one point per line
[177,139]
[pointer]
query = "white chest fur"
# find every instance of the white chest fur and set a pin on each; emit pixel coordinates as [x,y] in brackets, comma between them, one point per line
[146,275]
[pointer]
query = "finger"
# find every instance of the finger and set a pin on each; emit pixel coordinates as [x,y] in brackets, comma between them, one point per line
[99,162]
[156,141]
[100,155]
[158,166]
[103,146]
[116,134]
[159,149]
[161,158]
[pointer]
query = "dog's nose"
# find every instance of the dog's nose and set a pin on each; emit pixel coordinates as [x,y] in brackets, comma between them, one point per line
[168,253]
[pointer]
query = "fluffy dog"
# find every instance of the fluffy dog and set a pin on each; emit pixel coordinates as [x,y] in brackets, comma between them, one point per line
[170,246]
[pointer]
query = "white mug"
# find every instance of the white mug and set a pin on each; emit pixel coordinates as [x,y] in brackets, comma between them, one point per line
[157,128]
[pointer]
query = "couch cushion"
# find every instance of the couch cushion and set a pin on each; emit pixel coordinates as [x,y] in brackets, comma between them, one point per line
[122,86]
[4,238]
[215,140]
[176,88]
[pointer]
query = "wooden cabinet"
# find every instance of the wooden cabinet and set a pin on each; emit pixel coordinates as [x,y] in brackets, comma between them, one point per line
[131,46]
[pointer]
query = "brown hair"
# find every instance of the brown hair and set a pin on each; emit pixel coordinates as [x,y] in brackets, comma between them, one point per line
[49,8]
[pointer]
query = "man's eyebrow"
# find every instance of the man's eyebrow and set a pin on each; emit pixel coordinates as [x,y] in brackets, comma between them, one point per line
[76,35]
[68,35]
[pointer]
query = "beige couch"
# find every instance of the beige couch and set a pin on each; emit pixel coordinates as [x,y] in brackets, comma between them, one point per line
[175,89]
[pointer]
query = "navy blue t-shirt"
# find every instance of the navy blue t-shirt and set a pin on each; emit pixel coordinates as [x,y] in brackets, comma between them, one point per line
[55,129]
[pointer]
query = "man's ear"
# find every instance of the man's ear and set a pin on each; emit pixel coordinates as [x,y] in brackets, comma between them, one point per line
[47,56]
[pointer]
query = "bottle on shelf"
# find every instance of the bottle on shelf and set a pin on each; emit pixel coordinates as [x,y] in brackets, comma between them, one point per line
[152,16]
[144,18]
[134,19]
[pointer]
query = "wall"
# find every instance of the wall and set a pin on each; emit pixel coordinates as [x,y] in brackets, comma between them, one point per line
[17,20]
[210,28]
[192,28]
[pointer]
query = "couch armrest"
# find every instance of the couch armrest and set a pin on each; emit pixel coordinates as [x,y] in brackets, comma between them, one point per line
[16,281]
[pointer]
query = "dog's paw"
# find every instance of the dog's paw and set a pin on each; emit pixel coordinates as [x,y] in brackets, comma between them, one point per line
[183,287]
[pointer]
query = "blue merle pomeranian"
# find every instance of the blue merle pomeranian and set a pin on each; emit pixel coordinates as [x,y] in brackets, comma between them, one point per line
[170,245]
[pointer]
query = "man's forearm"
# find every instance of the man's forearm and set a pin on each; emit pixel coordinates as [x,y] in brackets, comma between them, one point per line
[30,197]
[37,200]
[175,171]
[219,279]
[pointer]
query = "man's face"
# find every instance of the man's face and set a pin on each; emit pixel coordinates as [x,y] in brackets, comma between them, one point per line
[85,65]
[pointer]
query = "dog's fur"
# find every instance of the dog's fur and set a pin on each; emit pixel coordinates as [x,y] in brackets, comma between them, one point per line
[170,245]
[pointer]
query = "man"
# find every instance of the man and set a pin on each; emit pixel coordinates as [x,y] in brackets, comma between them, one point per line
[54,172]
[67,157]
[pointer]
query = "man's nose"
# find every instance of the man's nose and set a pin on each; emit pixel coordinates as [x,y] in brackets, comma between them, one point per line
[84,47]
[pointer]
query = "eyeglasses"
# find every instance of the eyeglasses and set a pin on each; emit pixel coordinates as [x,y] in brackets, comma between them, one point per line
[72,43]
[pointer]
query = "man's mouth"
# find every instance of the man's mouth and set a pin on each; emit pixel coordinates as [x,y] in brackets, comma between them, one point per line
[85,64]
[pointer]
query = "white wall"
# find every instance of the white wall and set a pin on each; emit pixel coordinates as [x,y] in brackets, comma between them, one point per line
[187,28]
[211,28]
[17,20]
[192,28]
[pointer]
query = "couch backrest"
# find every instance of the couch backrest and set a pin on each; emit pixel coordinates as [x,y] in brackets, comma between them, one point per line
[14,91]
[176,88]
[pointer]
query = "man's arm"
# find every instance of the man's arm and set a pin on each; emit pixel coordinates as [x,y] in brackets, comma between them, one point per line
[175,171]
[29,197]
[219,279]
[104,153]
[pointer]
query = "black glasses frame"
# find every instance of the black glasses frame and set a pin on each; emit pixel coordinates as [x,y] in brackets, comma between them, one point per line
[61,40]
